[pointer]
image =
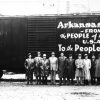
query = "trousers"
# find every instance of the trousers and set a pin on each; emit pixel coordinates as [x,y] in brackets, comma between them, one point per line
[53,76]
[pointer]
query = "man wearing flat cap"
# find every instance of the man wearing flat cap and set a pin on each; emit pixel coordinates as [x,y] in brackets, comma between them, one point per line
[29,66]
[53,67]
[97,70]
[87,67]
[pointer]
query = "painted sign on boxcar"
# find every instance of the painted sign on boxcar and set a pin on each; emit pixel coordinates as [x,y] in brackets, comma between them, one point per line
[79,34]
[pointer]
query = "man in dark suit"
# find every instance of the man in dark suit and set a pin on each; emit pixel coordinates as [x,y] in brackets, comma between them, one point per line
[29,66]
[61,68]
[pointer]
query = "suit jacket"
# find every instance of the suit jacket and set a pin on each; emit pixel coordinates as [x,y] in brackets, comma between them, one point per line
[29,63]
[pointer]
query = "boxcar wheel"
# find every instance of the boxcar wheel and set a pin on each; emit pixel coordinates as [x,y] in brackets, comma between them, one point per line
[1,73]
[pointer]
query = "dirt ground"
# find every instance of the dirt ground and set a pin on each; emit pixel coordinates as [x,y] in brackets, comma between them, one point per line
[21,91]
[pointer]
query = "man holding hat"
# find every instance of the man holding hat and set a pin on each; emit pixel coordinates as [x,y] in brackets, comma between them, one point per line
[87,67]
[53,67]
[29,66]
[97,70]
[79,70]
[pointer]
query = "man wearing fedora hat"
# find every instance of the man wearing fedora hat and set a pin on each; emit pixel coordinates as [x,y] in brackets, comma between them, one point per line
[53,67]
[29,66]
[97,70]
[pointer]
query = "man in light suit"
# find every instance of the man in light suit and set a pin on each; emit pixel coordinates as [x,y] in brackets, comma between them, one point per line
[87,67]
[53,67]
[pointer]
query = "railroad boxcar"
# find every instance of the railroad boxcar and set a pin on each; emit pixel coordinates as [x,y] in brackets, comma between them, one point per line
[64,33]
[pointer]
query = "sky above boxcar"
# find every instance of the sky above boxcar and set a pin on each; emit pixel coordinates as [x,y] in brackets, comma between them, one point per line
[31,7]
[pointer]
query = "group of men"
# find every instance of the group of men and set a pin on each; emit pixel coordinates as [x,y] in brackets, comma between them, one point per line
[86,71]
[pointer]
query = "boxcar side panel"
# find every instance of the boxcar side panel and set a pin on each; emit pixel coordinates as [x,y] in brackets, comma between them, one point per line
[13,34]
[41,35]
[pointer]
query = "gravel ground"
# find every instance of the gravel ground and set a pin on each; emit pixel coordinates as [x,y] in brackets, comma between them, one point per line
[21,91]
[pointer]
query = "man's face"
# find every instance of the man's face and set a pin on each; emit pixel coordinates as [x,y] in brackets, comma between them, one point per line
[86,57]
[93,57]
[44,57]
[62,54]
[39,54]
[79,57]
[53,55]
[30,56]
[70,57]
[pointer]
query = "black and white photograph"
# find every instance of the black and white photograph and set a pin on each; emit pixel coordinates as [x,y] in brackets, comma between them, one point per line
[49,49]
